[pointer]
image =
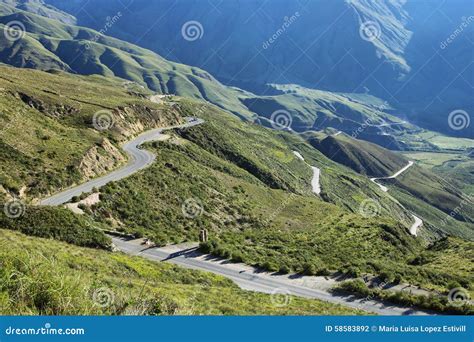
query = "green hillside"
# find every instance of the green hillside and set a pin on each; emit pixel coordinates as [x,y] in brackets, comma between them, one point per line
[256,203]
[426,192]
[361,156]
[246,184]
[253,194]
[51,44]
[359,115]
[45,277]
[57,44]
[438,192]
[237,167]
[48,138]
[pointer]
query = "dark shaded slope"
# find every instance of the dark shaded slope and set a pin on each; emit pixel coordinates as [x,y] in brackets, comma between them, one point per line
[361,156]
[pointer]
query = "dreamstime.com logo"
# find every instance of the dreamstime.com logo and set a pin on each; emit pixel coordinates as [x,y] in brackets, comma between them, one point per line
[287,22]
[103,120]
[192,31]
[14,30]
[280,297]
[459,119]
[103,297]
[14,209]
[281,120]
[458,296]
[370,208]
[192,208]
[47,330]
[370,31]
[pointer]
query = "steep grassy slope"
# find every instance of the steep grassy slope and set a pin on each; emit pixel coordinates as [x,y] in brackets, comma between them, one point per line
[436,223]
[361,156]
[255,201]
[431,195]
[444,259]
[265,152]
[238,180]
[316,109]
[51,278]
[450,256]
[58,224]
[41,8]
[48,137]
[359,115]
[457,167]
[438,192]
[242,176]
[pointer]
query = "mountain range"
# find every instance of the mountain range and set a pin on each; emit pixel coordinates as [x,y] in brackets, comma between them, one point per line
[416,55]
[314,171]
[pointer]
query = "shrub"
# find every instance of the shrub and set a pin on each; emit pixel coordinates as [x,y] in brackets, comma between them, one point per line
[355,286]
[309,269]
[353,272]
[206,247]
[323,272]
[270,266]
[57,223]
[387,277]
[237,257]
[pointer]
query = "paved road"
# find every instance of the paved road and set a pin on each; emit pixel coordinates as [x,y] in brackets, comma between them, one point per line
[384,188]
[138,160]
[418,221]
[255,281]
[315,183]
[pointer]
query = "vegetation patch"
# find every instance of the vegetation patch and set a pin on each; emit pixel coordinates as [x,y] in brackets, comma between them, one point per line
[44,277]
[59,224]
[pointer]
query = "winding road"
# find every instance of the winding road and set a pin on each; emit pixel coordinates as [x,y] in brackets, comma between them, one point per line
[395,175]
[249,278]
[315,183]
[244,276]
[138,160]
[418,221]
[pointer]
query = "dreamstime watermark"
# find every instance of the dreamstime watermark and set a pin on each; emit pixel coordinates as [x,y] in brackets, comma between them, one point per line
[457,210]
[192,30]
[378,286]
[280,297]
[287,22]
[109,23]
[466,21]
[14,30]
[370,31]
[14,209]
[103,297]
[282,207]
[281,120]
[192,208]
[458,297]
[367,123]
[459,119]
[103,120]
[43,331]
[370,208]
